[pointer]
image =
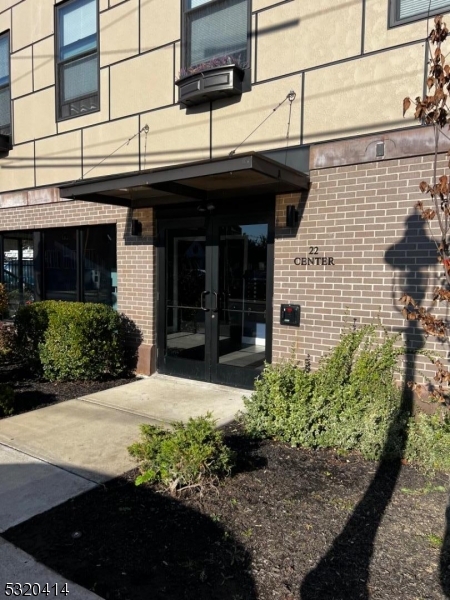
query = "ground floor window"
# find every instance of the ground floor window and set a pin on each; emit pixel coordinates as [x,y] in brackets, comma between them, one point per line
[60,264]
[100,265]
[71,263]
[18,267]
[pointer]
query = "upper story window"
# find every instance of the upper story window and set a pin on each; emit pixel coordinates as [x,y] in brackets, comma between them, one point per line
[5,89]
[215,29]
[77,58]
[406,11]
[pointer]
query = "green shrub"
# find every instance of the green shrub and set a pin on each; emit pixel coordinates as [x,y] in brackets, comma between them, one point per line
[8,343]
[83,341]
[190,455]
[72,340]
[31,323]
[336,367]
[270,410]
[429,441]
[6,400]
[362,410]
[350,402]
[3,301]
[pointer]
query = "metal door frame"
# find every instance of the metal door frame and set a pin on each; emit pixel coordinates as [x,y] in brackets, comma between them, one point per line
[186,217]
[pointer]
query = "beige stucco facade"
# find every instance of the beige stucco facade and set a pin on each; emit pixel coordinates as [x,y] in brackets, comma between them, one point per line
[349,71]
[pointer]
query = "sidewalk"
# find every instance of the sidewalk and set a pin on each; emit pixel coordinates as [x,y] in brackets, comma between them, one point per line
[52,454]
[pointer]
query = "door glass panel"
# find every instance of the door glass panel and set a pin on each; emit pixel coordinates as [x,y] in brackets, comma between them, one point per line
[186,284]
[100,265]
[18,269]
[242,295]
[60,264]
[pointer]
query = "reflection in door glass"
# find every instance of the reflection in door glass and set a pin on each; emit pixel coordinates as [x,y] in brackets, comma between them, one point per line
[18,269]
[185,318]
[242,294]
[100,265]
[60,264]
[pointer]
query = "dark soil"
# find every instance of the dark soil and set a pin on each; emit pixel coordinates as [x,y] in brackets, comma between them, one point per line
[32,392]
[289,524]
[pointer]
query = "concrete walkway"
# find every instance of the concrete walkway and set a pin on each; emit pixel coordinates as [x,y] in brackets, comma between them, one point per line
[50,455]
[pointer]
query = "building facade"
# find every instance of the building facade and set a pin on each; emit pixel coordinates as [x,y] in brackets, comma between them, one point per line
[234,175]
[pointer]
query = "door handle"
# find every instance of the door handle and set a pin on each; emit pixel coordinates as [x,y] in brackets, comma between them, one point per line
[216,297]
[202,296]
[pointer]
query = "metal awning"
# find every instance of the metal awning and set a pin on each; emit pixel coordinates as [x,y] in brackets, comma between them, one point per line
[237,176]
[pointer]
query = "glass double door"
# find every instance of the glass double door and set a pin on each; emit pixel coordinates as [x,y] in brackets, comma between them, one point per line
[215,299]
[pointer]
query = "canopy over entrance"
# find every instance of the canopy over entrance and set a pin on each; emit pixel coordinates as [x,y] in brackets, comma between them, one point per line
[237,176]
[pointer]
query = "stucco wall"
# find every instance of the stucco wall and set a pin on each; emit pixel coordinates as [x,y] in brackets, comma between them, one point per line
[340,60]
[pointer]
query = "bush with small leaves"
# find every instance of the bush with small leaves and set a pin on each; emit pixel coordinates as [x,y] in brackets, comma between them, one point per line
[190,455]
[428,442]
[351,402]
[3,301]
[82,341]
[8,342]
[72,340]
[31,323]
[6,400]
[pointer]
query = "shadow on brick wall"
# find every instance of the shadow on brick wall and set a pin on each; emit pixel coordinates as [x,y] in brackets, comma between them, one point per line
[133,339]
[410,259]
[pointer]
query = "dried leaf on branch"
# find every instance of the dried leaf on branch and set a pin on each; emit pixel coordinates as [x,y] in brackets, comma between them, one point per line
[405,299]
[431,325]
[440,31]
[432,109]
[440,295]
[406,105]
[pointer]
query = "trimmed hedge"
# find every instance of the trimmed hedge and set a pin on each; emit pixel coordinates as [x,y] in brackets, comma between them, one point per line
[31,323]
[72,340]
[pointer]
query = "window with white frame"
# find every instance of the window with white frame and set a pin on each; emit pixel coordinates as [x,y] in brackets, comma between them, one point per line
[215,29]
[77,58]
[406,11]
[5,88]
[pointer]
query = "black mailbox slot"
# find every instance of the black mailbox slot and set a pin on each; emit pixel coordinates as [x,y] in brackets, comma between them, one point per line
[290,315]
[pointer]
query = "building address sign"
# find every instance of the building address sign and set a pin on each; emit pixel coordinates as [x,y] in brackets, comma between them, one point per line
[306,261]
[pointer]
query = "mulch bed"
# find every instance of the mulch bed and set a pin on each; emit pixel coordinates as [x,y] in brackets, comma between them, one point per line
[31,392]
[289,524]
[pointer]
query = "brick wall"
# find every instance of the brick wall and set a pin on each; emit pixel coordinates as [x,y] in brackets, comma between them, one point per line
[135,255]
[363,217]
[360,216]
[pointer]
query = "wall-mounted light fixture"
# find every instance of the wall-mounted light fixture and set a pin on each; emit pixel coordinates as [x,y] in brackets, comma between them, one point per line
[136,227]
[291,215]
[206,207]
